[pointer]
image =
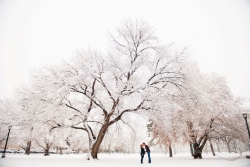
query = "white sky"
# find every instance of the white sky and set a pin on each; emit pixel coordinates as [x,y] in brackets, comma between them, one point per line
[36,32]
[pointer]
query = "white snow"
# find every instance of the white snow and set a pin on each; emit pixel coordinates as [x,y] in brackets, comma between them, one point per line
[122,160]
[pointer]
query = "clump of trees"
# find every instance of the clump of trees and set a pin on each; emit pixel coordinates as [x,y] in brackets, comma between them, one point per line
[95,91]
[207,112]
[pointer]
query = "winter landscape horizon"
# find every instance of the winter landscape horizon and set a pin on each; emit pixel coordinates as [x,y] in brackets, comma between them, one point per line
[121,159]
[124,82]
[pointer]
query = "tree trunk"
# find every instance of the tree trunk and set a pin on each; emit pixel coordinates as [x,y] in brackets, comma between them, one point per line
[199,147]
[191,150]
[170,150]
[228,146]
[109,146]
[27,150]
[46,149]
[212,148]
[235,146]
[98,141]
[90,146]
[218,146]
[103,130]
[46,152]
[60,150]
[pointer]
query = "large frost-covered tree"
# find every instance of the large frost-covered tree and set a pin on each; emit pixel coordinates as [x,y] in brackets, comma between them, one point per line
[96,90]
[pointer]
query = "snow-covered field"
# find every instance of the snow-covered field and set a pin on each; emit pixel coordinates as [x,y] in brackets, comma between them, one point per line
[122,160]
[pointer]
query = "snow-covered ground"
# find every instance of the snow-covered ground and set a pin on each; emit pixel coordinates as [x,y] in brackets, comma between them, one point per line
[122,160]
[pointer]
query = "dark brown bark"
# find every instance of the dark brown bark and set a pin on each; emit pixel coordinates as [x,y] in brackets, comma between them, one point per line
[46,148]
[198,147]
[27,149]
[105,126]
[46,152]
[108,123]
[98,141]
[170,150]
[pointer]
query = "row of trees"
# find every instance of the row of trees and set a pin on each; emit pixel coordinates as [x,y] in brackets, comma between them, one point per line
[82,100]
[207,112]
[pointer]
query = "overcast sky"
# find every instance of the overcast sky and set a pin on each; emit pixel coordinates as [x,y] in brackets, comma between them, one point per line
[36,32]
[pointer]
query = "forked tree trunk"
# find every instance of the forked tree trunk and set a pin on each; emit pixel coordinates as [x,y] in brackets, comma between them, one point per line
[27,149]
[198,147]
[102,133]
[98,141]
[46,152]
[47,148]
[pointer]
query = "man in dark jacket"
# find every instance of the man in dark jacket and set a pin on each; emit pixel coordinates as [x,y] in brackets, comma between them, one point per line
[142,153]
[148,152]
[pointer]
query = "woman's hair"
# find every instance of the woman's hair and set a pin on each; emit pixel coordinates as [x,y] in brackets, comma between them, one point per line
[141,145]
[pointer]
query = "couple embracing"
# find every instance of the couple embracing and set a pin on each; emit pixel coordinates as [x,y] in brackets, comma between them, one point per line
[145,149]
